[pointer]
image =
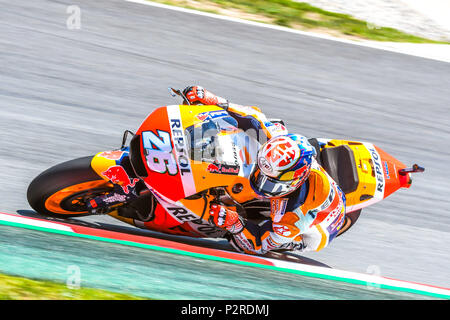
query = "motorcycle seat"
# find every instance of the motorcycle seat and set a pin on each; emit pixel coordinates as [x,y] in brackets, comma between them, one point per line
[339,162]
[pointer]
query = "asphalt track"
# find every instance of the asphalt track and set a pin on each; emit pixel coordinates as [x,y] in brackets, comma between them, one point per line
[71,93]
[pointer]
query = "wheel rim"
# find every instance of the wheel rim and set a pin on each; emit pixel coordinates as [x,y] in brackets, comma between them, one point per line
[72,200]
[347,224]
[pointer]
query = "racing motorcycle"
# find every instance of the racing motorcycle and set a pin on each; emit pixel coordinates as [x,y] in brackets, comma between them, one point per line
[183,158]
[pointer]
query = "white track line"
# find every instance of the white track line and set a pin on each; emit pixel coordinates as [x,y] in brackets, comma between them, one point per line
[334,274]
[370,280]
[440,52]
[34,222]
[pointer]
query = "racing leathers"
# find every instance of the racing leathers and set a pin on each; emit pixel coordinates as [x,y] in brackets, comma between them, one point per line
[307,219]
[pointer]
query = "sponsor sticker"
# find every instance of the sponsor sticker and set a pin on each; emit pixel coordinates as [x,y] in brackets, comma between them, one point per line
[180,149]
[277,129]
[199,225]
[210,115]
[379,175]
[278,208]
[223,169]
[118,175]
[264,165]
[386,169]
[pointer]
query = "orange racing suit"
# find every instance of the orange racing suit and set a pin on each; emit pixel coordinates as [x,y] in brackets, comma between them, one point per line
[307,219]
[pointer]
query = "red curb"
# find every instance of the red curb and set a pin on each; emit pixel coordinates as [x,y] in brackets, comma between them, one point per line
[154,242]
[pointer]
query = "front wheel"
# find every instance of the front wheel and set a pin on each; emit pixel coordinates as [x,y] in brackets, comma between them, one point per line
[63,190]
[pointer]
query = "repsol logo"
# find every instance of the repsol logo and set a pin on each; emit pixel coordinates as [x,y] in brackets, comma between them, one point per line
[180,146]
[200,225]
[182,214]
[378,169]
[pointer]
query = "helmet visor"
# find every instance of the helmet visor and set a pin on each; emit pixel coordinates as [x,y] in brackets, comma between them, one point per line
[268,186]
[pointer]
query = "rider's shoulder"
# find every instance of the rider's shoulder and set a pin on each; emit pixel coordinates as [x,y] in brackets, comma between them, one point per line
[319,178]
[319,186]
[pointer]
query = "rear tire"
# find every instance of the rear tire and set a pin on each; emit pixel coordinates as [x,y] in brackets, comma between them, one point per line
[350,220]
[61,191]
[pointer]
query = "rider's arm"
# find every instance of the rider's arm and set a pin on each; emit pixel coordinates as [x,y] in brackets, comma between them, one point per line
[252,117]
[262,238]
[308,227]
[248,117]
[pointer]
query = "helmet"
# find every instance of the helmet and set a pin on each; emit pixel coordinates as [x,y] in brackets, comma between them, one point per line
[283,164]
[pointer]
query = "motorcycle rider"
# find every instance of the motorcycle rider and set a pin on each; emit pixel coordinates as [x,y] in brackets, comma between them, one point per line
[307,206]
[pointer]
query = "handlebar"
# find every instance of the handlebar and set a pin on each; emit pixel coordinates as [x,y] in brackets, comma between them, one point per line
[175,92]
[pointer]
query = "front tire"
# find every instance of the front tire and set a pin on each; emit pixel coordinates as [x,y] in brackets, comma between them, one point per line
[62,191]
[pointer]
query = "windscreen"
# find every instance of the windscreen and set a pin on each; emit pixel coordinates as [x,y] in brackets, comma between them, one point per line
[214,140]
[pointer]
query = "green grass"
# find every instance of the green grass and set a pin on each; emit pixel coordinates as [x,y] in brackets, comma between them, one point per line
[17,288]
[303,16]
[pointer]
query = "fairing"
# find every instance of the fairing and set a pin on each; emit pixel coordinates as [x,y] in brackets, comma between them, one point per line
[188,149]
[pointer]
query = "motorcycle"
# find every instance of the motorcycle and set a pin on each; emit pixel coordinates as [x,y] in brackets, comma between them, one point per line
[184,157]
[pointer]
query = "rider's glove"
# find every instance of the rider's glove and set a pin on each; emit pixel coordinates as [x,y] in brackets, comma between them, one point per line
[199,95]
[226,219]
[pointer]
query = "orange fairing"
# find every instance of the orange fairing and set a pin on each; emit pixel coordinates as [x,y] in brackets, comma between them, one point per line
[391,166]
[377,173]
[101,163]
[174,168]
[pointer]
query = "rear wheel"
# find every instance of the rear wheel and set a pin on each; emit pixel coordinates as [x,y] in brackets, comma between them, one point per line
[350,220]
[63,190]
